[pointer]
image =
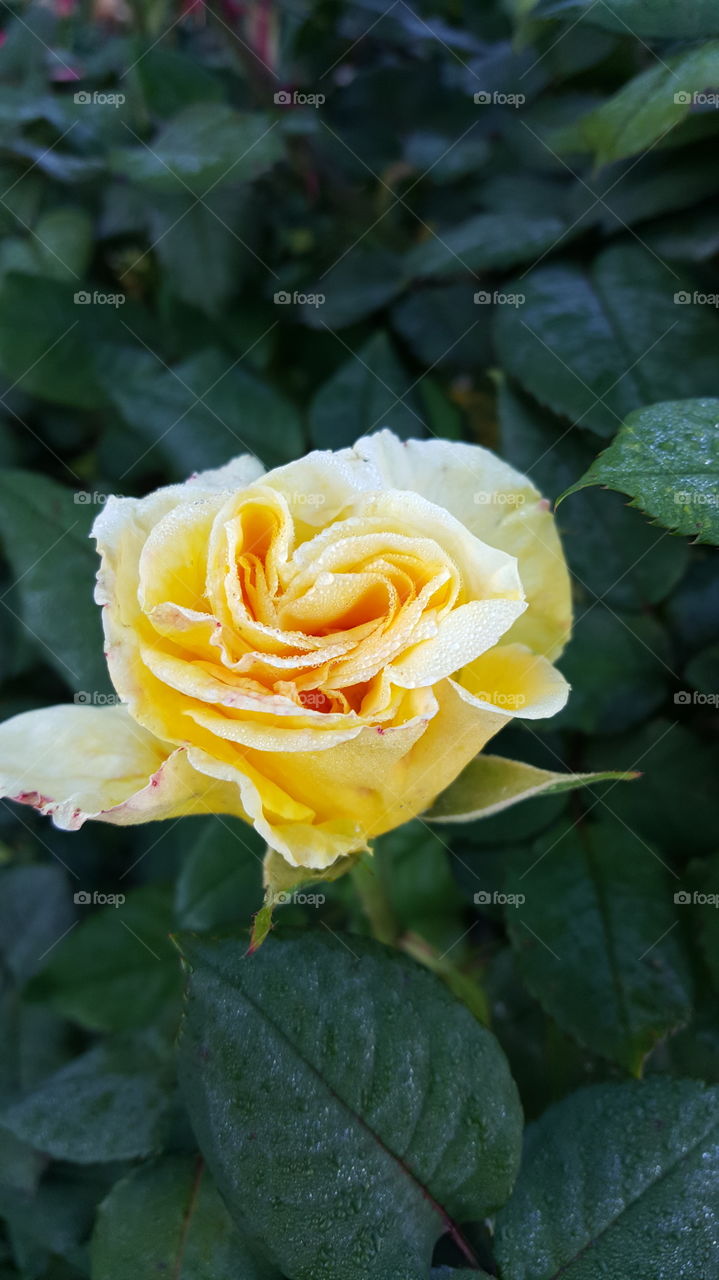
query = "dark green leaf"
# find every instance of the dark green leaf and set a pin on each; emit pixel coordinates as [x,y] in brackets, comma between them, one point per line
[370,391]
[613,552]
[117,969]
[597,938]
[109,1104]
[206,144]
[667,458]
[617,1180]
[205,411]
[313,1059]
[35,912]
[619,665]
[166,1218]
[595,344]
[221,878]
[361,282]
[486,242]
[674,762]
[45,537]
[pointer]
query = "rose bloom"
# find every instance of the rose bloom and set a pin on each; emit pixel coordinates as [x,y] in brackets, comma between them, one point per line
[319,650]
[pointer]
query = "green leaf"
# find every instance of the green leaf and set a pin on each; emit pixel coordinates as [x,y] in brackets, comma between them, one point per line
[361,282]
[117,969]
[370,391]
[444,327]
[206,144]
[620,1180]
[221,878]
[618,341]
[619,665]
[486,242]
[646,108]
[166,1218]
[597,938]
[674,762]
[201,246]
[490,784]
[640,17]
[108,1104]
[45,338]
[45,537]
[703,672]
[667,458]
[306,1070]
[204,411]
[612,551]
[35,911]
[412,867]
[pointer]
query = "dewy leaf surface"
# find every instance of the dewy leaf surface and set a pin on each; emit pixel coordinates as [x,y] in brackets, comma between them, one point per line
[667,458]
[619,1181]
[350,1109]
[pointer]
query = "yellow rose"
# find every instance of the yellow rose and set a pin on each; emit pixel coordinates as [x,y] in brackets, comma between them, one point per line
[319,650]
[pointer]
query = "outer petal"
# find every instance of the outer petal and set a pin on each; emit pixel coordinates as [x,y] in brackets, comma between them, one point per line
[362,788]
[77,762]
[496,503]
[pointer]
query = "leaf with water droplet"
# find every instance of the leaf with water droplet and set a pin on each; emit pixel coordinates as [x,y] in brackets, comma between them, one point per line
[348,1154]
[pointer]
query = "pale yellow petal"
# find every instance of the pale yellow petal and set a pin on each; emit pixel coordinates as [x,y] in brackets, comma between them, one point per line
[80,762]
[513,679]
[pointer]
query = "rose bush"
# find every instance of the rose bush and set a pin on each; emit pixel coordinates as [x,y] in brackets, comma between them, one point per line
[319,650]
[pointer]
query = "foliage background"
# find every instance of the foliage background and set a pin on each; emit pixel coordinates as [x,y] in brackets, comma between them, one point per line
[582,185]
